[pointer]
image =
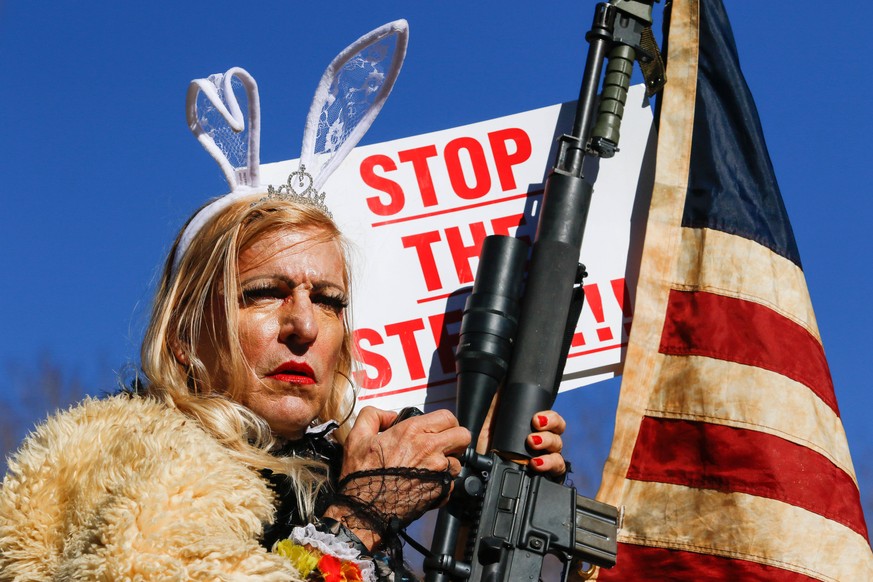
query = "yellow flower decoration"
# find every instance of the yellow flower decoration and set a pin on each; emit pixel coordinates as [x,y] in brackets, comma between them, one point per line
[303,558]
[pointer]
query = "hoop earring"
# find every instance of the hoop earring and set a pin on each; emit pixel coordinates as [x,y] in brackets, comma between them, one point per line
[354,397]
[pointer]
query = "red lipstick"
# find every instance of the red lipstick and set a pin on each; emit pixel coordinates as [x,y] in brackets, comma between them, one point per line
[294,373]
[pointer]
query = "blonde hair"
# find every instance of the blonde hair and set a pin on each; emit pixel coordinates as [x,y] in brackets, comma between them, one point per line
[206,279]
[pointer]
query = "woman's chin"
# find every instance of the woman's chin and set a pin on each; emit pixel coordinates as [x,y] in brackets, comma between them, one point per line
[288,417]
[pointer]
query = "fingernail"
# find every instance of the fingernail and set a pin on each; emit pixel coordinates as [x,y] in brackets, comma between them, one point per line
[537,461]
[543,420]
[537,439]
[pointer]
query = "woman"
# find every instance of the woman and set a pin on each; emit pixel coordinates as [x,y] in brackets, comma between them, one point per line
[222,464]
[248,346]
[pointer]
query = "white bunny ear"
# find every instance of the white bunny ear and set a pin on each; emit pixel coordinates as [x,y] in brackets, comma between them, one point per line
[349,97]
[220,126]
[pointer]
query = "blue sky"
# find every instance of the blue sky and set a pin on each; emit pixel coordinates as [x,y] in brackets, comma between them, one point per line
[99,169]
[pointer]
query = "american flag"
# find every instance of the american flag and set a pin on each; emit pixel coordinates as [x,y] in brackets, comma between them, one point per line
[729,456]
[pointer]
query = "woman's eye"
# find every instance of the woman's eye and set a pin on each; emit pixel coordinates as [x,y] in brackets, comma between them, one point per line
[334,303]
[256,294]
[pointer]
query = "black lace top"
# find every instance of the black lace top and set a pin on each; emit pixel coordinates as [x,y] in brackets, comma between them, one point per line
[314,445]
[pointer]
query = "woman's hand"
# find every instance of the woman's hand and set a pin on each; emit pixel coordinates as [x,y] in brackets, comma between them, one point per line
[396,472]
[547,427]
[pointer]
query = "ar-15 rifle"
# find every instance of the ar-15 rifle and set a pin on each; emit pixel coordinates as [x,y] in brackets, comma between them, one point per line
[514,517]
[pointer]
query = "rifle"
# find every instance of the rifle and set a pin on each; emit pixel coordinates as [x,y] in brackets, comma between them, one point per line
[519,343]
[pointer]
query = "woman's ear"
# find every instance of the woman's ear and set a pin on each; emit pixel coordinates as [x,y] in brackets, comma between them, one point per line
[179,352]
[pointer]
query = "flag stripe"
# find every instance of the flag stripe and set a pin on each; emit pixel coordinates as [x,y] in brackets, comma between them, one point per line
[699,454]
[705,389]
[661,245]
[742,526]
[737,267]
[706,324]
[634,561]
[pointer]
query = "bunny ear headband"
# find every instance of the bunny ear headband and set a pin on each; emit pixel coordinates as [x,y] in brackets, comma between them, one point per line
[349,97]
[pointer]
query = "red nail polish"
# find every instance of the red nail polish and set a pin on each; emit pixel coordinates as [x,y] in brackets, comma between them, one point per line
[538,462]
[537,439]
[543,420]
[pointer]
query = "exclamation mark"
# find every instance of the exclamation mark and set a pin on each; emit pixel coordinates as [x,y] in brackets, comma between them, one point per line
[619,289]
[578,340]
[595,304]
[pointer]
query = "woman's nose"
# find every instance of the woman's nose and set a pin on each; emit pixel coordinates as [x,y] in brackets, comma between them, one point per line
[299,325]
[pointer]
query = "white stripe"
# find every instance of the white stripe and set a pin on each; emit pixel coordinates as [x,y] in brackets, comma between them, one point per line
[736,525]
[662,243]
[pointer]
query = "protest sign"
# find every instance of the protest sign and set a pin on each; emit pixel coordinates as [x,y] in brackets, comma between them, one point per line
[416,211]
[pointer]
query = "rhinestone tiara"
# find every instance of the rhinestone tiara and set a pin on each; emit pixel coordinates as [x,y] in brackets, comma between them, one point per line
[300,189]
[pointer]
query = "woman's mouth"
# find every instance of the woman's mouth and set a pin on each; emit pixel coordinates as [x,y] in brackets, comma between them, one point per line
[293,373]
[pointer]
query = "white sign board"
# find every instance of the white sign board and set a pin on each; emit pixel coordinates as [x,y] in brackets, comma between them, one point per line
[417,209]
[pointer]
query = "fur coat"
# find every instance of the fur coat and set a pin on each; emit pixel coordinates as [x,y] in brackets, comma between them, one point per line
[128,489]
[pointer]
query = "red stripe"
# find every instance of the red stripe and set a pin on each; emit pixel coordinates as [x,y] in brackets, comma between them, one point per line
[710,456]
[639,562]
[378,394]
[490,202]
[734,330]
